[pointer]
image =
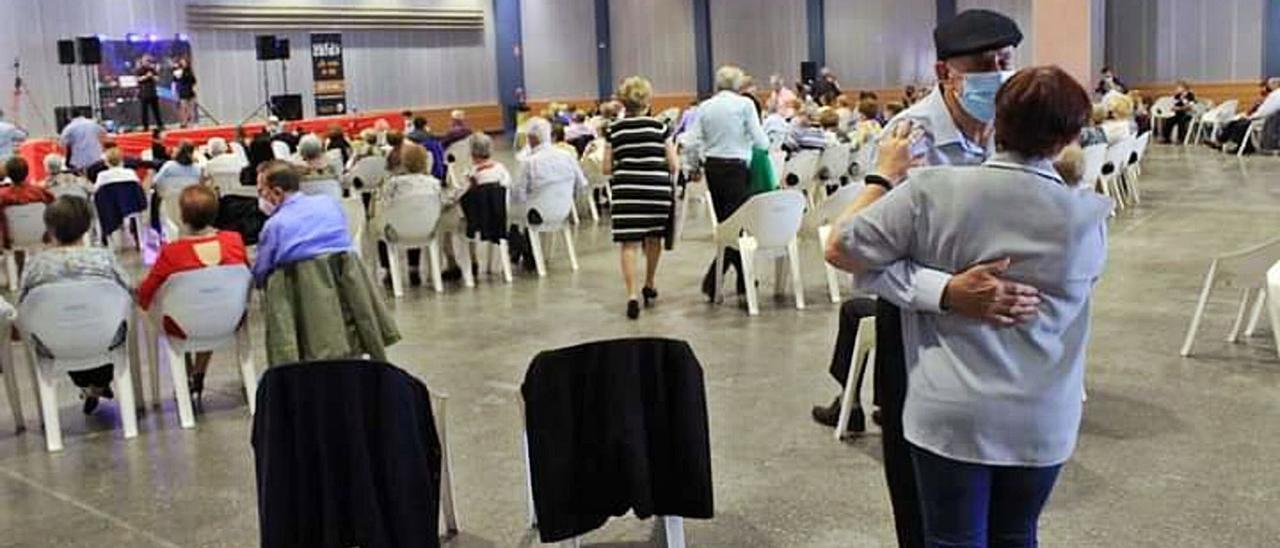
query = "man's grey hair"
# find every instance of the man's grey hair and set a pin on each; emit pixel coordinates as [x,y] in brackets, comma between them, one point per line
[1273,83]
[310,147]
[54,163]
[217,146]
[539,129]
[729,78]
[458,114]
[481,145]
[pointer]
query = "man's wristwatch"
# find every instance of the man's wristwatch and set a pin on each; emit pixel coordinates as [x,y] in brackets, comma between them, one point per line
[878,180]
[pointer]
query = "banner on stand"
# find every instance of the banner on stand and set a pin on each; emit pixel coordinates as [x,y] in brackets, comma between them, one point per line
[327,73]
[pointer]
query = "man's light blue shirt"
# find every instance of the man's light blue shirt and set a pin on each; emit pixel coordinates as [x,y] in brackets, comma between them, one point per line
[303,227]
[728,127]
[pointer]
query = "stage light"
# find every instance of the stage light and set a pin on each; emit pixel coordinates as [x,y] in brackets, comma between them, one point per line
[182,37]
[128,37]
[151,38]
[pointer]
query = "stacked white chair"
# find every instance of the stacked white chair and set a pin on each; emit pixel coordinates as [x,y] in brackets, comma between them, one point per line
[821,219]
[25,226]
[210,306]
[864,352]
[413,218]
[767,224]
[1246,269]
[77,322]
[555,218]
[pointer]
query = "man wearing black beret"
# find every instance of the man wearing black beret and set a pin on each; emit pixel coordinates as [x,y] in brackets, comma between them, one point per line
[950,126]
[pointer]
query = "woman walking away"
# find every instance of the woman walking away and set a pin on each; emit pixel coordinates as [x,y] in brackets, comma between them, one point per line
[642,163]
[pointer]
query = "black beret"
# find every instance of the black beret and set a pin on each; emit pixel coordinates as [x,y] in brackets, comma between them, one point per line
[973,31]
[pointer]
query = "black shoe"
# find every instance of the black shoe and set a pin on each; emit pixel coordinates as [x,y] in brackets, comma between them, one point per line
[633,309]
[650,294]
[829,416]
[451,275]
[108,393]
[875,417]
[415,279]
[196,385]
[90,404]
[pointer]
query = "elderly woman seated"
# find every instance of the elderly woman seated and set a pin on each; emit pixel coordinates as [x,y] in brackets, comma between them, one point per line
[1121,124]
[59,180]
[483,201]
[546,184]
[222,160]
[200,245]
[67,220]
[20,192]
[415,179]
[116,171]
[315,165]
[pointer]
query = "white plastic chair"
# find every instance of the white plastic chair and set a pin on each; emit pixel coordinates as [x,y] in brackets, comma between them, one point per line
[370,171]
[413,218]
[1219,116]
[1135,166]
[1161,112]
[25,225]
[227,182]
[1112,181]
[767,223]
[835,164]
[1252,135]
[821,218]
[1247,269]
[1198,111]
[334,157]
[280,150]
[210,305]
[458,158]
[317,187]
[357,221]
[1273,304]
[804,165]
[555,218]
[170,208]
[695,190]
[1094,157]
[864,352]
[77,322]
[592,164]
[9,369]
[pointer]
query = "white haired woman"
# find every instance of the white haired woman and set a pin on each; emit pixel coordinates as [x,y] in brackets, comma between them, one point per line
[642,162]
[59,180]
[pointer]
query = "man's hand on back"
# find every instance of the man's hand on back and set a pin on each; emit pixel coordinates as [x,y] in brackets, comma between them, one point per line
[982,294]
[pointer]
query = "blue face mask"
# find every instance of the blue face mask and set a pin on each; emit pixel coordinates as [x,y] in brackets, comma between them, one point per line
[979,96]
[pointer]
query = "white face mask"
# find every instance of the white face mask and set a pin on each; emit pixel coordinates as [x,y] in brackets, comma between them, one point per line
[266,207]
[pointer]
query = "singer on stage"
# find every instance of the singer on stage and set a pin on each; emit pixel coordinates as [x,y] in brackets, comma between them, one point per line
[148,98]
[185,80]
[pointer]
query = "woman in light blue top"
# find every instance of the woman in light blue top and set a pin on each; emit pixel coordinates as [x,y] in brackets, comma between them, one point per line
[992,411]
[178,173]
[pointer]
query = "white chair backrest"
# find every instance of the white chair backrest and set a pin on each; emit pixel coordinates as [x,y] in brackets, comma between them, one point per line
[329,187]
[837,202]
[804,165]
[1140,147]
[76,321]
[25,224]
[1245,267]
[227,181]
[172,186]
[370,170]
[353,209]
[1118,154]
[1094,157]
[334,156]
[1163,107]
[1226,111]
[280,150]
[772,218]
[208,303]
[414,217]
[836,159]
[553,203]
[459,153]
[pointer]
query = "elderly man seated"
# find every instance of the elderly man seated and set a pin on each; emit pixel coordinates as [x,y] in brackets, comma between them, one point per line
[1234,132]
[223,163]
[59,180]
[299,226]
[545,186]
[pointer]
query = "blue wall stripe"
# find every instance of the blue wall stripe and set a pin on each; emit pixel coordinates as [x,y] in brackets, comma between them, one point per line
[946,10]
[702,46]
[509,44]
[604,52]
[1271,40]
[815,19]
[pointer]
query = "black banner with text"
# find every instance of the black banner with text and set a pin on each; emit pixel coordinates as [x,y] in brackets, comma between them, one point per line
[328,75]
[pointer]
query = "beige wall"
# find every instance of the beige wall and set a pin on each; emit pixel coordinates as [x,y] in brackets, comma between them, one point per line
[1062,36]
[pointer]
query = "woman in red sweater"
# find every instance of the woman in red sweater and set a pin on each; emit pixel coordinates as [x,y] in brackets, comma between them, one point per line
[200,246]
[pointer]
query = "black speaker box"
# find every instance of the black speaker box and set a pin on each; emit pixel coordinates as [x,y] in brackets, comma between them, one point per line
[808,72]
[66,52]
[287,107]
[282,48]
[90,50]
[270,48]
[64,115]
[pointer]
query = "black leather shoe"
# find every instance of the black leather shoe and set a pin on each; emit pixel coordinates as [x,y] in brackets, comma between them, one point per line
[829,416]
[90,404]
[650,294]
[633,309]
[452,275]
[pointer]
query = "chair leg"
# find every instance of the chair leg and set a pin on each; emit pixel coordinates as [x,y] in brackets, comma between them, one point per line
[863,345]
[462,251]
[397,275]
[35,382]
[674,528]
[833,275]
[48,405]
[434,250]
[535,243]
[779,277]
[11,270]
[128,407]
[747,247]
[248,372]
[181,390]
[1273,309]
[717,293]
[504,250]
[1238,325]
[568,244]
[797,284]
[153,359]
[1200,305]
[1260,302]
[11,381]
[528,480]
[447,510]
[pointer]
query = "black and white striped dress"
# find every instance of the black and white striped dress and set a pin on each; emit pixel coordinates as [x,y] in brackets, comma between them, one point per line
[641,182]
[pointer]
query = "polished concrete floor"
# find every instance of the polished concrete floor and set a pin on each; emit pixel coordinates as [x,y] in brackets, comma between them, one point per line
[1174,452]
